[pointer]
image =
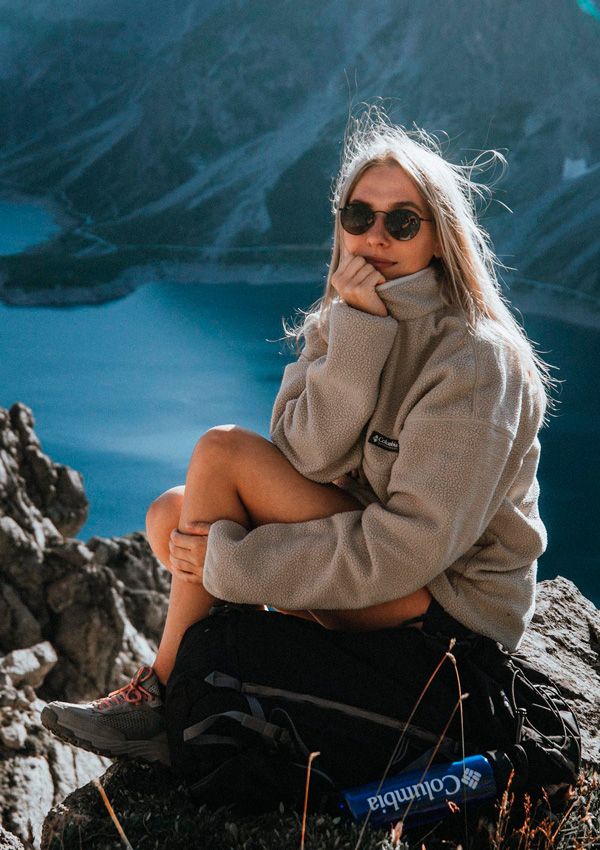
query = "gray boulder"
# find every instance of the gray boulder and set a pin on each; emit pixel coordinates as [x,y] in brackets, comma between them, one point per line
[563,641]
[76,620]
[9,841]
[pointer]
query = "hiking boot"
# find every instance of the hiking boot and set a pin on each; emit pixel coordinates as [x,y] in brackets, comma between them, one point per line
[127,722]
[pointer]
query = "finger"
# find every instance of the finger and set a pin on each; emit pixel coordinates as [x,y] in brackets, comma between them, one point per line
[183,555]
[187,539]
[372,279]
[375,277]
[184,566]
[352,268]
[363,273]
[195,545]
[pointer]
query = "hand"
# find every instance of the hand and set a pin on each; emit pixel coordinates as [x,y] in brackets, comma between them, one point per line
[187,553]
[355,281]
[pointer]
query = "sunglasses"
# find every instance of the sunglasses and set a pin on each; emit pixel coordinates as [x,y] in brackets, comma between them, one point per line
[357,218]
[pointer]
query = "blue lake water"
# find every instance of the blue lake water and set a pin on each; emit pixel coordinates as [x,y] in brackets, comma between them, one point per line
[122,391]
[24,224]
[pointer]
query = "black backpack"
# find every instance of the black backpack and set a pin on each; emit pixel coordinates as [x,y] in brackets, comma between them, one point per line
[248,744]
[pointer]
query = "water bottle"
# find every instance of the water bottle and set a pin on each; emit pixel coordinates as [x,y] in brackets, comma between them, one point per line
[416,798]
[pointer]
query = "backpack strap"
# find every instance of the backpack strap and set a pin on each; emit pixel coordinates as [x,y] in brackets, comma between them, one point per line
[224,680]
[272,734]
[251,691]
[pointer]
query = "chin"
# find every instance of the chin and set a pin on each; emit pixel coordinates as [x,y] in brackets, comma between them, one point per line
[391,273]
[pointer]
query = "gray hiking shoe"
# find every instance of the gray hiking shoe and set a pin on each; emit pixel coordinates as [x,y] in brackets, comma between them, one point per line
[127,722]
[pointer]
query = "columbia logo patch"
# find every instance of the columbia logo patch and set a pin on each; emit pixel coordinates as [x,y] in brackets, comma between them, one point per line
[386,443]
[471,778]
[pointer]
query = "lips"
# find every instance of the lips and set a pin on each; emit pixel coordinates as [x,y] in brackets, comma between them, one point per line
[379,264]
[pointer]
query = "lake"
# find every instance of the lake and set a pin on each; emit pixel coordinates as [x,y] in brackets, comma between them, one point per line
[24,223]
[122,391]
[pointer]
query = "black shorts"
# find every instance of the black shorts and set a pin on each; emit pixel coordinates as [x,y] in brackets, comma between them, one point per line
[382,672]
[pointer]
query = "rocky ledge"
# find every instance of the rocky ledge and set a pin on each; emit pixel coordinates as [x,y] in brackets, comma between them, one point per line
[77,619]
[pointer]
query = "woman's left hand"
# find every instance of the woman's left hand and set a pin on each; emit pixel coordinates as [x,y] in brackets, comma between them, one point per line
[187,553]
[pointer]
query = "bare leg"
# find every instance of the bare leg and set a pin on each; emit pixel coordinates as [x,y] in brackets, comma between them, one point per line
[237,474]
[226,461]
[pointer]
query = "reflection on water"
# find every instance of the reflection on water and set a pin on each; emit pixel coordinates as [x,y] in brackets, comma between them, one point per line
[122,391]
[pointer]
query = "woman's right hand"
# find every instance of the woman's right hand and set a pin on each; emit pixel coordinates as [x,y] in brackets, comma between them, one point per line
[355,280]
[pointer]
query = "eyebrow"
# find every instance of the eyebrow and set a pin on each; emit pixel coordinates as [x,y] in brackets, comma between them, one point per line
[394,206]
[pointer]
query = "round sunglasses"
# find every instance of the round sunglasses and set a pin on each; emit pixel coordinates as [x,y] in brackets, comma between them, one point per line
[402,224]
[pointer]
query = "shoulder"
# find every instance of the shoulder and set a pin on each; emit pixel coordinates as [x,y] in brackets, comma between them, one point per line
[315,331]
[476,374]
[508,390]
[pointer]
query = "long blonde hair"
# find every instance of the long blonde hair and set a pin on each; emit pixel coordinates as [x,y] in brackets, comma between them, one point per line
[468,263]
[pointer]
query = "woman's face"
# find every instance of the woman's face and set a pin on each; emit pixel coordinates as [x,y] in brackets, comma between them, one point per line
[387,187]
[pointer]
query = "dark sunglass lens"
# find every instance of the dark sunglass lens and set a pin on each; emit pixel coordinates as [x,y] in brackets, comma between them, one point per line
[356,218]
[402,224]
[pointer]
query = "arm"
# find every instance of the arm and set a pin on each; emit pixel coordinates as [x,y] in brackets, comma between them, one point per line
[446,484]
[328,395]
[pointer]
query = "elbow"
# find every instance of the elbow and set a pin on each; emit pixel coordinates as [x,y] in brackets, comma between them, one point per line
[305,458]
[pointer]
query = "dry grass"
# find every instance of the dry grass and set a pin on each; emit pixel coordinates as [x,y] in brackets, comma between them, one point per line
[157,814]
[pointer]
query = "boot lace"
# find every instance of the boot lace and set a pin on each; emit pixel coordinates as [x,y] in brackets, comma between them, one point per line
[133,692]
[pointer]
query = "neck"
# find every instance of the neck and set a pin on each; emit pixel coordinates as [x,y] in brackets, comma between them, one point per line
[412,295]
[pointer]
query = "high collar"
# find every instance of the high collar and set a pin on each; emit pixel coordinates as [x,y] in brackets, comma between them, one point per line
[412,295]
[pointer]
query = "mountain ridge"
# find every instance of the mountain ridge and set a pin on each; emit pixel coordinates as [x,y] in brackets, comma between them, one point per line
[219,129]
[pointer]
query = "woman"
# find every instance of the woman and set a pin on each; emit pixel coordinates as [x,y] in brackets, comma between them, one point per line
[397,501]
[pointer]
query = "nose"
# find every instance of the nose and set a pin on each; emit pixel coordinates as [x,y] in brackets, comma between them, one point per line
[377,234]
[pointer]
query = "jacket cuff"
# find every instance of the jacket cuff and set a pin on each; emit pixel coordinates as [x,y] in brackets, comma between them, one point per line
[344,316]
[362,337]
[222,535]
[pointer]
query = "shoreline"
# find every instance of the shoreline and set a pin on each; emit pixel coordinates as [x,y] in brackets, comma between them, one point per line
[527,296]
[559,304]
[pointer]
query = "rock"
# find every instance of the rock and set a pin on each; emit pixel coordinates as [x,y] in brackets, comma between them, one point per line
[18,626]
[76,621]
[72,767]
[29,666]
[84,814]
[56,490]
[563,641]
[13,737]
[15,543]
[26,794]
[8,841]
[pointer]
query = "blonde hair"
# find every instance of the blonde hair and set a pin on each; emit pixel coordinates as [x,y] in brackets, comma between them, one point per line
[467,262]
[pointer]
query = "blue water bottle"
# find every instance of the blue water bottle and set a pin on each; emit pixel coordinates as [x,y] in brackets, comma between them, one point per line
[416,797]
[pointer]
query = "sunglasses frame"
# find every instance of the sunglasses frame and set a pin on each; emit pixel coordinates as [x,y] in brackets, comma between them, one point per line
[385,214]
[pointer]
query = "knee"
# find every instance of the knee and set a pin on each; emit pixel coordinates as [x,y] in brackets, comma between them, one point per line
[221,442]
[165,510]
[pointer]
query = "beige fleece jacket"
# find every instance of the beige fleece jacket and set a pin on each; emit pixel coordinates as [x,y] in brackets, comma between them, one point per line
[442,425]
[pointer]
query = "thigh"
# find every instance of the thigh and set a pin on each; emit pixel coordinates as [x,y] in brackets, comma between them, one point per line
[271,489]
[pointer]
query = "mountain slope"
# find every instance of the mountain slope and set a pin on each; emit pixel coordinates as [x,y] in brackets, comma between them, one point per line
[179,130]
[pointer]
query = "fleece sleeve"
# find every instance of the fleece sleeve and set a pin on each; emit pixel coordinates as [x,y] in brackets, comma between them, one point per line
[328,395]
[446,484]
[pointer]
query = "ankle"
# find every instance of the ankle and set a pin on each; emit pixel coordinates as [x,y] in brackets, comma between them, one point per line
[161,673]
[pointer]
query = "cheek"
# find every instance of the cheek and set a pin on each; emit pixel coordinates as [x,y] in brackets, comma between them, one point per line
[352,243]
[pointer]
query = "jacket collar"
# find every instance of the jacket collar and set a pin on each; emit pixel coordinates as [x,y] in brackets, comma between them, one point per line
[412,295]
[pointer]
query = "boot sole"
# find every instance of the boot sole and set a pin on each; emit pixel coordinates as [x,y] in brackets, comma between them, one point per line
[152,749]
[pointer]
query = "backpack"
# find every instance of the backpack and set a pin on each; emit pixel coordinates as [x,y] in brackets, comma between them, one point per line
[247,743]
